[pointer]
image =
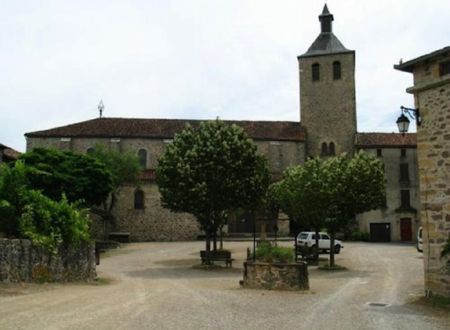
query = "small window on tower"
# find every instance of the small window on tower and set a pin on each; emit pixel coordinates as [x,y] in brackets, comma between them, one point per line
[324,150]
[336,70]
[402,152]
[379,152]
[331,150]
[315,72]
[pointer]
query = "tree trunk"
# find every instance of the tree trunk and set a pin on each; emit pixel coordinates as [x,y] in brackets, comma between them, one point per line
[221,237]
[316,253]
[207,245]
[332,237]
[215,239]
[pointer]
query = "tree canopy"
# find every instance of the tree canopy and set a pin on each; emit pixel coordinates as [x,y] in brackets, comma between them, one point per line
[124,168]
[28,213]
[209,170]
[332,192]
[78,177]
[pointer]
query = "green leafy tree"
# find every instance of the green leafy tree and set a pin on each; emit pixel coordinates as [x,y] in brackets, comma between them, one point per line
[78,177]
[331,193]
[302,195]
[354,186]
[210,170]
[27,213]
[13,185]
[124,168]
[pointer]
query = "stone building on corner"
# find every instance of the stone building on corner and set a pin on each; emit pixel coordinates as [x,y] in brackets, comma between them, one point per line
[431,92]
[328,127]
[8,154]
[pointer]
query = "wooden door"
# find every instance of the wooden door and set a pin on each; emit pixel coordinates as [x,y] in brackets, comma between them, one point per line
[405,229]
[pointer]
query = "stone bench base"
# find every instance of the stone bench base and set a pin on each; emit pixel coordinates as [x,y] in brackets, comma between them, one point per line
[276,276]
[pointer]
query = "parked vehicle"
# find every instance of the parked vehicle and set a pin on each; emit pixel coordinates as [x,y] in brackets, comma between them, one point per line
[308,238]
[419,240]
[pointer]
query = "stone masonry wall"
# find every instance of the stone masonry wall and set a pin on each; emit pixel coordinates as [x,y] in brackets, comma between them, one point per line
[327,106]
[432,96]
[153,222]
[275,276]
[391,158]
[20,261]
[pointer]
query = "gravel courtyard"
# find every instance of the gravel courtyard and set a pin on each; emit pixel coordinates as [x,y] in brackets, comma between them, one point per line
[154,286]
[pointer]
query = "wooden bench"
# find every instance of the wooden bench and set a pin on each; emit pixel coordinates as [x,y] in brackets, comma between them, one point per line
[304,252]
[122,237]
[218,255]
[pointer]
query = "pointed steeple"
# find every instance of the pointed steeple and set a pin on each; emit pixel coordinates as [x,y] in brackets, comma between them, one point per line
[325,20]
[326,42]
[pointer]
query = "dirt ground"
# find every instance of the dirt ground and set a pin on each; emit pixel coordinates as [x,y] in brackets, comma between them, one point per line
[155,286]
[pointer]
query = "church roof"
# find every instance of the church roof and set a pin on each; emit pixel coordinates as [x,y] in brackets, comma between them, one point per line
[386,140]
[166,129]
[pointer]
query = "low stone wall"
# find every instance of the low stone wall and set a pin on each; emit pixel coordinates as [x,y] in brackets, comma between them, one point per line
[275,276]
[20,261]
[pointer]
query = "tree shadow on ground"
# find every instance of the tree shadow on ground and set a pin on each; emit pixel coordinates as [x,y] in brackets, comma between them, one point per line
[185,272]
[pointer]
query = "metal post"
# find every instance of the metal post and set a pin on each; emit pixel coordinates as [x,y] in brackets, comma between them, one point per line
[254,238]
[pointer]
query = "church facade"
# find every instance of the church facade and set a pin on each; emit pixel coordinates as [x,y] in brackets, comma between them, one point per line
[328,127]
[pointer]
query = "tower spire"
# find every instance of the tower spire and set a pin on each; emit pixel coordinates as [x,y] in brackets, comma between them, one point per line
[325,20]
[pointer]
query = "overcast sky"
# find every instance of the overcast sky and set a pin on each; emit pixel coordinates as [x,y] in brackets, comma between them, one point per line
[236,59]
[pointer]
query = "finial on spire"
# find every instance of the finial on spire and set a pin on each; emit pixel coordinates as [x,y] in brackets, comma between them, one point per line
[100,108]
[325,20]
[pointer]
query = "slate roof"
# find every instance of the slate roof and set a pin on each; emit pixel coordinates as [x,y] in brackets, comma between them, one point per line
[326,43]
[166,129]
[386,140]
[8,153]
[409,65]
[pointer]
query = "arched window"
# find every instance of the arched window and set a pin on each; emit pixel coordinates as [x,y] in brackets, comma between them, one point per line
[331,150]
[336,70]
[139,199]
[142,155]
[90,151]
[324,151]
[315,72]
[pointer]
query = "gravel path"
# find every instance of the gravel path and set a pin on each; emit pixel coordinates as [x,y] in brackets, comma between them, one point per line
[154,286]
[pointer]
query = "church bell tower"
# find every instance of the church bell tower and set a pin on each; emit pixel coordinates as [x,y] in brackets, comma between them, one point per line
[327,93]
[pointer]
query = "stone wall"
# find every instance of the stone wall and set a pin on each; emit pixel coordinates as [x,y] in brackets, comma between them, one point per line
[392,214]
[20,261]
[432,96]
[275,276]
[153,222]
[327,106]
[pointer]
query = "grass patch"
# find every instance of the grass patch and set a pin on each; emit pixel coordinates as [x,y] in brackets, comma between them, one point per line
[101,281]
[334,268]
[438,302]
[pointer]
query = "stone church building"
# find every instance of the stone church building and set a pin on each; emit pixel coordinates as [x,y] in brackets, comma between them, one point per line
[328,127]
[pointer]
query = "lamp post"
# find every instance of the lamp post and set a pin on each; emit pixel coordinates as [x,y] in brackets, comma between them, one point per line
[403,121]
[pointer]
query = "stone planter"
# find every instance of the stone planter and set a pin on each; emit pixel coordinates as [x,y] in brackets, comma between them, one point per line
[20,261]
[276,276]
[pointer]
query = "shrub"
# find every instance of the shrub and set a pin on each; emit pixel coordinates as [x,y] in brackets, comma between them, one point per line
[13,185]
[50,223]
[27,213]
[360,236]
[267,252]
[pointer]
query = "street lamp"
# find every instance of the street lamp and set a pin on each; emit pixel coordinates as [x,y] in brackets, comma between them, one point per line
[403,121]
